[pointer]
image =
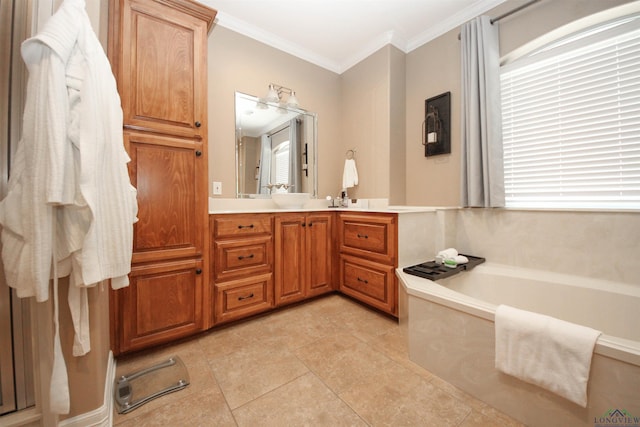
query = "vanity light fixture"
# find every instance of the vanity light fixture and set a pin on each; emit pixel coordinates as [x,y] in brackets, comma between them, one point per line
[275,95]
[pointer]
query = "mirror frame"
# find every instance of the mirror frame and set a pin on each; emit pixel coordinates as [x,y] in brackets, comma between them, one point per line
[312,149]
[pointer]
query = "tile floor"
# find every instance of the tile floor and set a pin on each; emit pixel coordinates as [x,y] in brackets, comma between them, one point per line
[328,362]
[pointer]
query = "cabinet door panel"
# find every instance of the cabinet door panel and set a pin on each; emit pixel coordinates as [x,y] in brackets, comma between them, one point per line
[163,63]
[162,302]
[171,213]
[290,262]
[319,254]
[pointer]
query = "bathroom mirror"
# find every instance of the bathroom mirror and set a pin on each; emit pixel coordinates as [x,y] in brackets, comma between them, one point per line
[276,148]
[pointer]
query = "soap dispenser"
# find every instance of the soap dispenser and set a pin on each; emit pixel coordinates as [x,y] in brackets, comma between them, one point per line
[344,198]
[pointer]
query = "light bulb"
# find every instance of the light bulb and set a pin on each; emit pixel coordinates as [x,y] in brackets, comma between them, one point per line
[272,95]
[292,101]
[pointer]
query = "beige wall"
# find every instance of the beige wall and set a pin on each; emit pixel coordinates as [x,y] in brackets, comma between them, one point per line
[397,136]
[365,123]
[373,123]
[238,63]
[434,68]
[87,374]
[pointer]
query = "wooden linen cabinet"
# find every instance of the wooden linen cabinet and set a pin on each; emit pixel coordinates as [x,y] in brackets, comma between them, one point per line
[157,50]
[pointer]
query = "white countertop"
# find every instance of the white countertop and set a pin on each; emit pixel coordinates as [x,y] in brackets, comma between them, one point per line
[234,206]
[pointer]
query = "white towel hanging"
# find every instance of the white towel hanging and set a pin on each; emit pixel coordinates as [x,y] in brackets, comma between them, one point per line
[350,174]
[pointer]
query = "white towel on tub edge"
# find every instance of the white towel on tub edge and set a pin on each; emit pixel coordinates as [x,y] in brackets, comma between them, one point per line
[545,351]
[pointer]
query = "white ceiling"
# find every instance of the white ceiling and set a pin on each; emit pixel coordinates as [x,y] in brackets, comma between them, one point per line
[337,34]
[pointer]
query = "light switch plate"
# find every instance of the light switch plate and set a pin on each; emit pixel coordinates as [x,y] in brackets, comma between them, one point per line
[217,188]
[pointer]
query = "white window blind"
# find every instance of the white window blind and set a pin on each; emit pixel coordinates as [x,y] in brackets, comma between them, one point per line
[281,163]
[571,124]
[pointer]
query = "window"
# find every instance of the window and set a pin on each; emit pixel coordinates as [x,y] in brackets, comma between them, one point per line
[281,163]
[571,122]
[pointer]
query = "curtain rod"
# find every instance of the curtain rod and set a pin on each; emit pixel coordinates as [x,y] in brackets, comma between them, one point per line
[516,10]
[511,12]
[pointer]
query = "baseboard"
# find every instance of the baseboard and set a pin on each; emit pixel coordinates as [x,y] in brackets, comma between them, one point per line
[102,416]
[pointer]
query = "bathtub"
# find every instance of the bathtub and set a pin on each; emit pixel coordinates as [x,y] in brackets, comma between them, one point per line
[449,324]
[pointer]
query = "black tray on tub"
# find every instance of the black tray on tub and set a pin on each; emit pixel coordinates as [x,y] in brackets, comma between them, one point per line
[433,271]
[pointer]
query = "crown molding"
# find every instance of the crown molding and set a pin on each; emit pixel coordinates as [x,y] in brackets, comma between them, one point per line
[385,38]
[277,42]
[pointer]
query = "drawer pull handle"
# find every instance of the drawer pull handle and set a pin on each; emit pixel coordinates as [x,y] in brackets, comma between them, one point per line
[363,280]
[363,236]
[198,271]
[198,124]
[241,257]
[245,226]
[247,297]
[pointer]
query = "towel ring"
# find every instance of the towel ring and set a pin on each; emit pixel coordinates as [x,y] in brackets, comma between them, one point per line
[351,154]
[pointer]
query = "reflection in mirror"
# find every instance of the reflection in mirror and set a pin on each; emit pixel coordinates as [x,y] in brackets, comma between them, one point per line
[275,149]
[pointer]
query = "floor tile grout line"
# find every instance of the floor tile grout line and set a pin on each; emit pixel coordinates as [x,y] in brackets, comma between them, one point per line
[224,396]
[334,392]
[267,392]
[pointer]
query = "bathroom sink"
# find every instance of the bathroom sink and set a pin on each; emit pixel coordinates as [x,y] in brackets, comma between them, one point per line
[290,200]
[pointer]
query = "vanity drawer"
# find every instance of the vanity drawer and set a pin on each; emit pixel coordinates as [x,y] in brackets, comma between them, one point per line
[372,236]
[242,257]
[369,282]
[241,225]
[244,297]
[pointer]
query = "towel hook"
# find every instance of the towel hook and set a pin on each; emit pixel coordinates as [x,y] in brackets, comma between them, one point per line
[351,153]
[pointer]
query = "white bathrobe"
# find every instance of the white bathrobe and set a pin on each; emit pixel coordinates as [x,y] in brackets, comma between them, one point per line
[70,202]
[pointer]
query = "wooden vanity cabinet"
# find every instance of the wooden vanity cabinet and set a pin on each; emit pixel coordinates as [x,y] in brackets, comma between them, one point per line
[157,50]
[368,246]
[241,265]
[303,260]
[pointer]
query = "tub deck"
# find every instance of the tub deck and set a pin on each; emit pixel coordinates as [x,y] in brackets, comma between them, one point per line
[452,335]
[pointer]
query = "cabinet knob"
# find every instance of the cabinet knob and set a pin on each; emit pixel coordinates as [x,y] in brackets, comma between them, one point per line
[198,153]
[198,124]
[198,271]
